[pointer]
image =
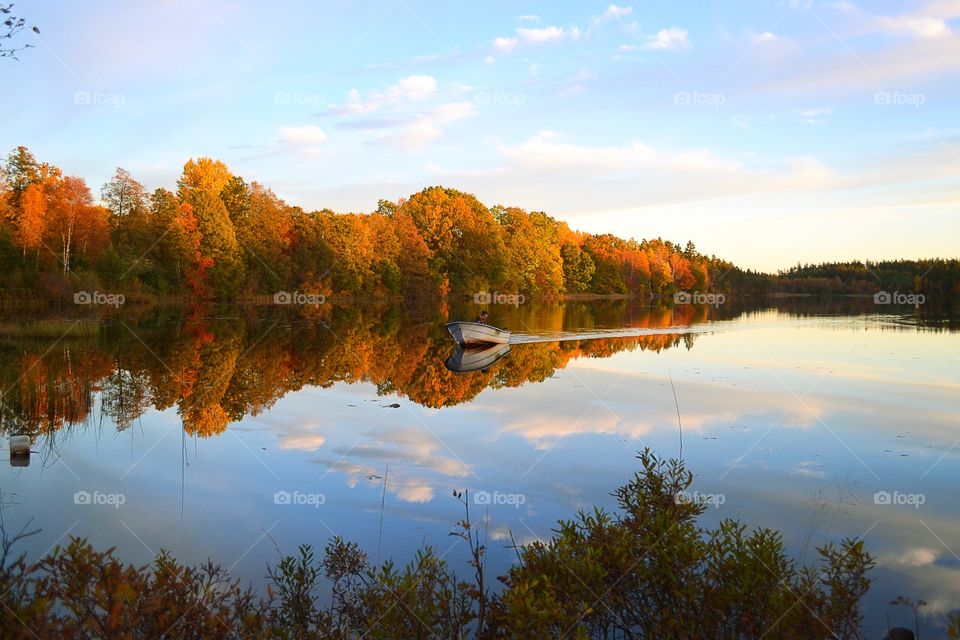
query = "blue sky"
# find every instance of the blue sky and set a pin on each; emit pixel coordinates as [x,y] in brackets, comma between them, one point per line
[767,132]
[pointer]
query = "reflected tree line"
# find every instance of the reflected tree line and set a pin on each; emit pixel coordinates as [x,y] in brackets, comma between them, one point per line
[219,364]
[216,366]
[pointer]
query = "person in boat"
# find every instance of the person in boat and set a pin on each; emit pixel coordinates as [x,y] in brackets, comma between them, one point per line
[482,318]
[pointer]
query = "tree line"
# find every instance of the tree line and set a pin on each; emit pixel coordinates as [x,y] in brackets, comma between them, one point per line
[220,236]
[936,278]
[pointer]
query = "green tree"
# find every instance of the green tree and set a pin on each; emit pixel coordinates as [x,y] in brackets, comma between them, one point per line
[200,186]
[264,229]
[218,243]
[311,256]
[578,268]
[22,170]
[127,200]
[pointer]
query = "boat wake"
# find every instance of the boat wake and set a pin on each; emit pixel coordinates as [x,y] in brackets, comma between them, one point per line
[720,326]
[600,334]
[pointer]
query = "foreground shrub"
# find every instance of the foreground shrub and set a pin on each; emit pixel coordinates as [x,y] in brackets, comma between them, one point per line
[649,571]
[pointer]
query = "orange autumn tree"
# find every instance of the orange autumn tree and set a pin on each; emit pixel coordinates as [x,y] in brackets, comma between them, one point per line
[32,221]
[465,240]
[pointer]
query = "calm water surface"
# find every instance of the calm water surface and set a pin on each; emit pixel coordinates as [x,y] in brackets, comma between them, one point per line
[227,434]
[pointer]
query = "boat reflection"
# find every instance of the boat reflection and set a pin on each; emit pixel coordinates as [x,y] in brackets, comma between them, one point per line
[20,451]
[465,360]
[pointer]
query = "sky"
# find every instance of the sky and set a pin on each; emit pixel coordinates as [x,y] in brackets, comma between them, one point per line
[769,133]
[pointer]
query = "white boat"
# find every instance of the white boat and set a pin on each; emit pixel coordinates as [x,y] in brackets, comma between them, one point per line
[465,360]
[477,333]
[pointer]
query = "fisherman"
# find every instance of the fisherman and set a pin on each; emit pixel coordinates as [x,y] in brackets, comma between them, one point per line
[482,318]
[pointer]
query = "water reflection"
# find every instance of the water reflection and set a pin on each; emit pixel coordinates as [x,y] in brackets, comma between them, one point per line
[216,370]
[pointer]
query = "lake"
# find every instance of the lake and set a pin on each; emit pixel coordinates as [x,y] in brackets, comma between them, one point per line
[231,433]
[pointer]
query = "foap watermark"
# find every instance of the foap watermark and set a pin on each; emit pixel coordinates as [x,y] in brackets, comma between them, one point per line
[899,499]
[487,498]
[99,298]
[99,499]
[298,498]
[296,98]
[485,297]
[297,297]
[699,297]
[710,499]
[696,98]
[885,297]
[96,98]
[898,98]
[499,99]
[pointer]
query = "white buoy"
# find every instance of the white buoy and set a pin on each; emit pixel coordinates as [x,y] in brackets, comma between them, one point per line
[19,451]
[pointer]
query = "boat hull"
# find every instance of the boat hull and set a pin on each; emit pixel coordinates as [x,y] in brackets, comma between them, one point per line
[475,333]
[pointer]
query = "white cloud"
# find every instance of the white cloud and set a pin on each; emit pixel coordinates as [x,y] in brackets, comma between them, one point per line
[538,36]
[627,48]
[638,171]
[410,118]
[307,135]
[614,11]
[842,5]
[414,87]
[529,18]
[413,491]
[505,45]
[355,104]
[547,150]
[408,88]
[533,36]
[808,469]
[872,70]
[414,135]
[919,27]
[453,111]
[302,442]
[918,557]
[814,112]
[765,37]
[667,39]
[425,129]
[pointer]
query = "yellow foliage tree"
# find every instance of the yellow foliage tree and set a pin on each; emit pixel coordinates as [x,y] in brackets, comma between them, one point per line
[32,220]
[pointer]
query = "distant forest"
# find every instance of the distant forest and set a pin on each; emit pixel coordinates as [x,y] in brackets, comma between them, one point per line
[219,236]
